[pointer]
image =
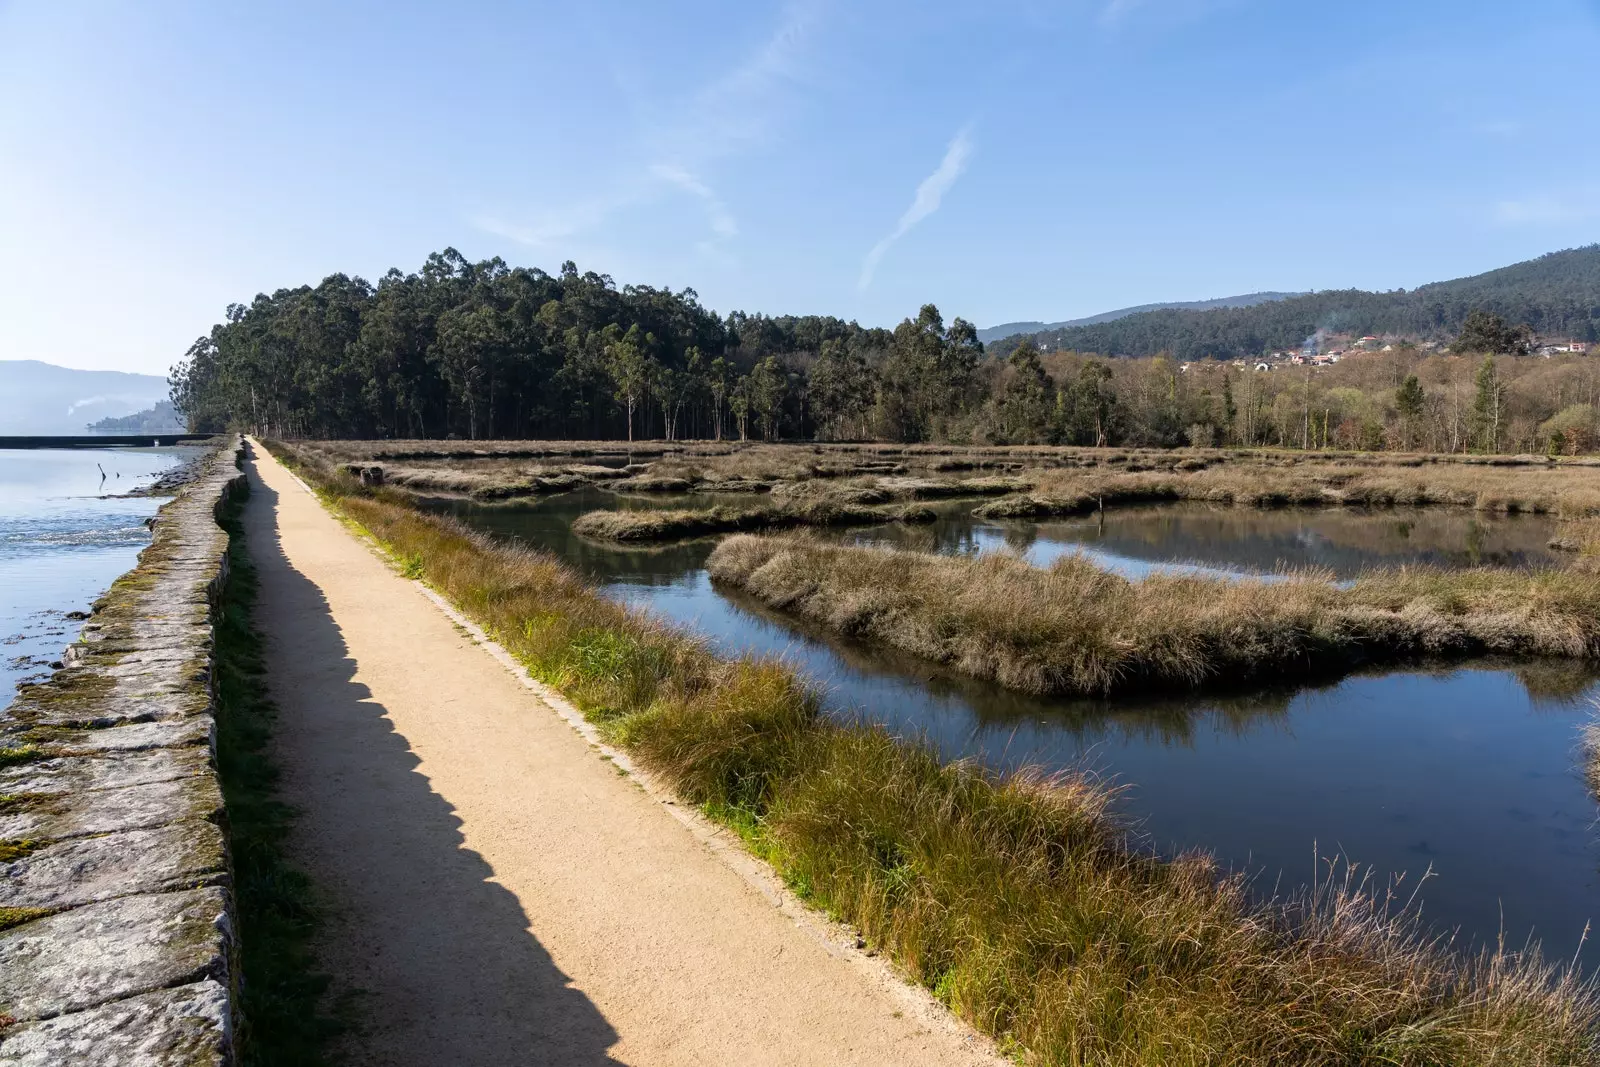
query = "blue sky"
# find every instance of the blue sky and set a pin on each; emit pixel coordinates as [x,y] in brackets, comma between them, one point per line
[1012,159]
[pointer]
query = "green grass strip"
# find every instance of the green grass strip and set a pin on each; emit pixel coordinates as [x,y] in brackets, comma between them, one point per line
[282,991]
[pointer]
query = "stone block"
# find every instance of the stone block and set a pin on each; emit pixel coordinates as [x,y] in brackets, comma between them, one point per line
[65,815]
[184,1027]
[111,770]
[113,950]
[134,737]
[83,870]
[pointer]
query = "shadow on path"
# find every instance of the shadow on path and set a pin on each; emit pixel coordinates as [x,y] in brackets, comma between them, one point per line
[442,965]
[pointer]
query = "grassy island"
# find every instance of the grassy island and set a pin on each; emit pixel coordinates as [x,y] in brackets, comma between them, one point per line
[1077,629]
[1017,900]
[669,525]
[1506,487]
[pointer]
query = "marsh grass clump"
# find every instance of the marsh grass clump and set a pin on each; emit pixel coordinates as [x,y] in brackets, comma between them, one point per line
[1019,901]
[668,525]
[1308,480]
[1035,481]
[1076,628]
[859,502]
[1591,755]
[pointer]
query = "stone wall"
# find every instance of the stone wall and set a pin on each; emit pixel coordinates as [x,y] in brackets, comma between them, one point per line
[116,913]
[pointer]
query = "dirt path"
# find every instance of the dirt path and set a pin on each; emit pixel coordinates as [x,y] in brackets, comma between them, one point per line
[502,894]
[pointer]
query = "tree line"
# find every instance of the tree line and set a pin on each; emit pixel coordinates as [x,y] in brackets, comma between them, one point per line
[483,351]
[1402,399]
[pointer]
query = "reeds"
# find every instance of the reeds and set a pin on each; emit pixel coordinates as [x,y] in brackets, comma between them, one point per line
[1076,629]
[1018,901]
[1043,481]
[1567,491]
[642,525]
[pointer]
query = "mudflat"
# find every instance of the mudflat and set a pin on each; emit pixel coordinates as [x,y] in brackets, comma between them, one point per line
[499,892]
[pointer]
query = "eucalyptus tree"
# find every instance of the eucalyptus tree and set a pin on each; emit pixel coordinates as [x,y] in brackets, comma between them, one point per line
[629,366]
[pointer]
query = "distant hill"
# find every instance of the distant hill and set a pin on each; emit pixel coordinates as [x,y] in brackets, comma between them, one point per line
[39,398]
[1010,329]
[1557,294]
[163,418]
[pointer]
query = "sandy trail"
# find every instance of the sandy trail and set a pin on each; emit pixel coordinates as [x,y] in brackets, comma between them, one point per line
[500,893]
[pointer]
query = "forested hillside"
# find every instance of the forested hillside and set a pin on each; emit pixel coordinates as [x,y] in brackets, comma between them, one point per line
[161,417]
[40,398]
[1012,329]
[1557,294]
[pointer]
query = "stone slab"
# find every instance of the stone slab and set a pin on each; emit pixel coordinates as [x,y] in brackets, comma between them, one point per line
[134,737]
[109,951]
[65,815]
[33,708]
[188,1026]
[83,870]
[111,770]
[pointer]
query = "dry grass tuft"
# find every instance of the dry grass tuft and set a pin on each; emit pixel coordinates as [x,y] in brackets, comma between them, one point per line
[813,511]
[1570,492]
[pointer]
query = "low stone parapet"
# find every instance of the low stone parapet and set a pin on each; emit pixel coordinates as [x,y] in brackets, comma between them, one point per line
[117,940]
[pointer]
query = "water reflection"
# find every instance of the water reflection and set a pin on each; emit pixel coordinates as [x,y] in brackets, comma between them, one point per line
[1216,539]
[1472,771]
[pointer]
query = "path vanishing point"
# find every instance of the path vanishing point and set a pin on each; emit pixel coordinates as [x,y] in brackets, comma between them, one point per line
[499,892]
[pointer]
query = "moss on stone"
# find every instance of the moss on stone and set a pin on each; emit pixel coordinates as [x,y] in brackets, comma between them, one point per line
[11,851]
[10,757]
[10,917]
[70,691]
[17,803]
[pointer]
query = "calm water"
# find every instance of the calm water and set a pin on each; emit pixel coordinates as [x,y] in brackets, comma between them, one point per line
[63,540]
[1471,773]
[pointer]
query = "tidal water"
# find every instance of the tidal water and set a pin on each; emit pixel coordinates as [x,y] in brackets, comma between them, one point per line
[1466,778]
[65,536]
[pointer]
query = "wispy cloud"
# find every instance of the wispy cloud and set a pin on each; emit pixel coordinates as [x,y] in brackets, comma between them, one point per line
[930,193]
[738,109]
[722,223]
[677,147]
[723,226]
[1500,128]
[1114,11]
[553,229]
[1543,209]
[1163,14]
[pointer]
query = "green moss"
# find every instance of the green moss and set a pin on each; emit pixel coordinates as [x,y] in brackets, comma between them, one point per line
[10,917]
[73,694]
[11,851]
[10,757]
[16,803]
